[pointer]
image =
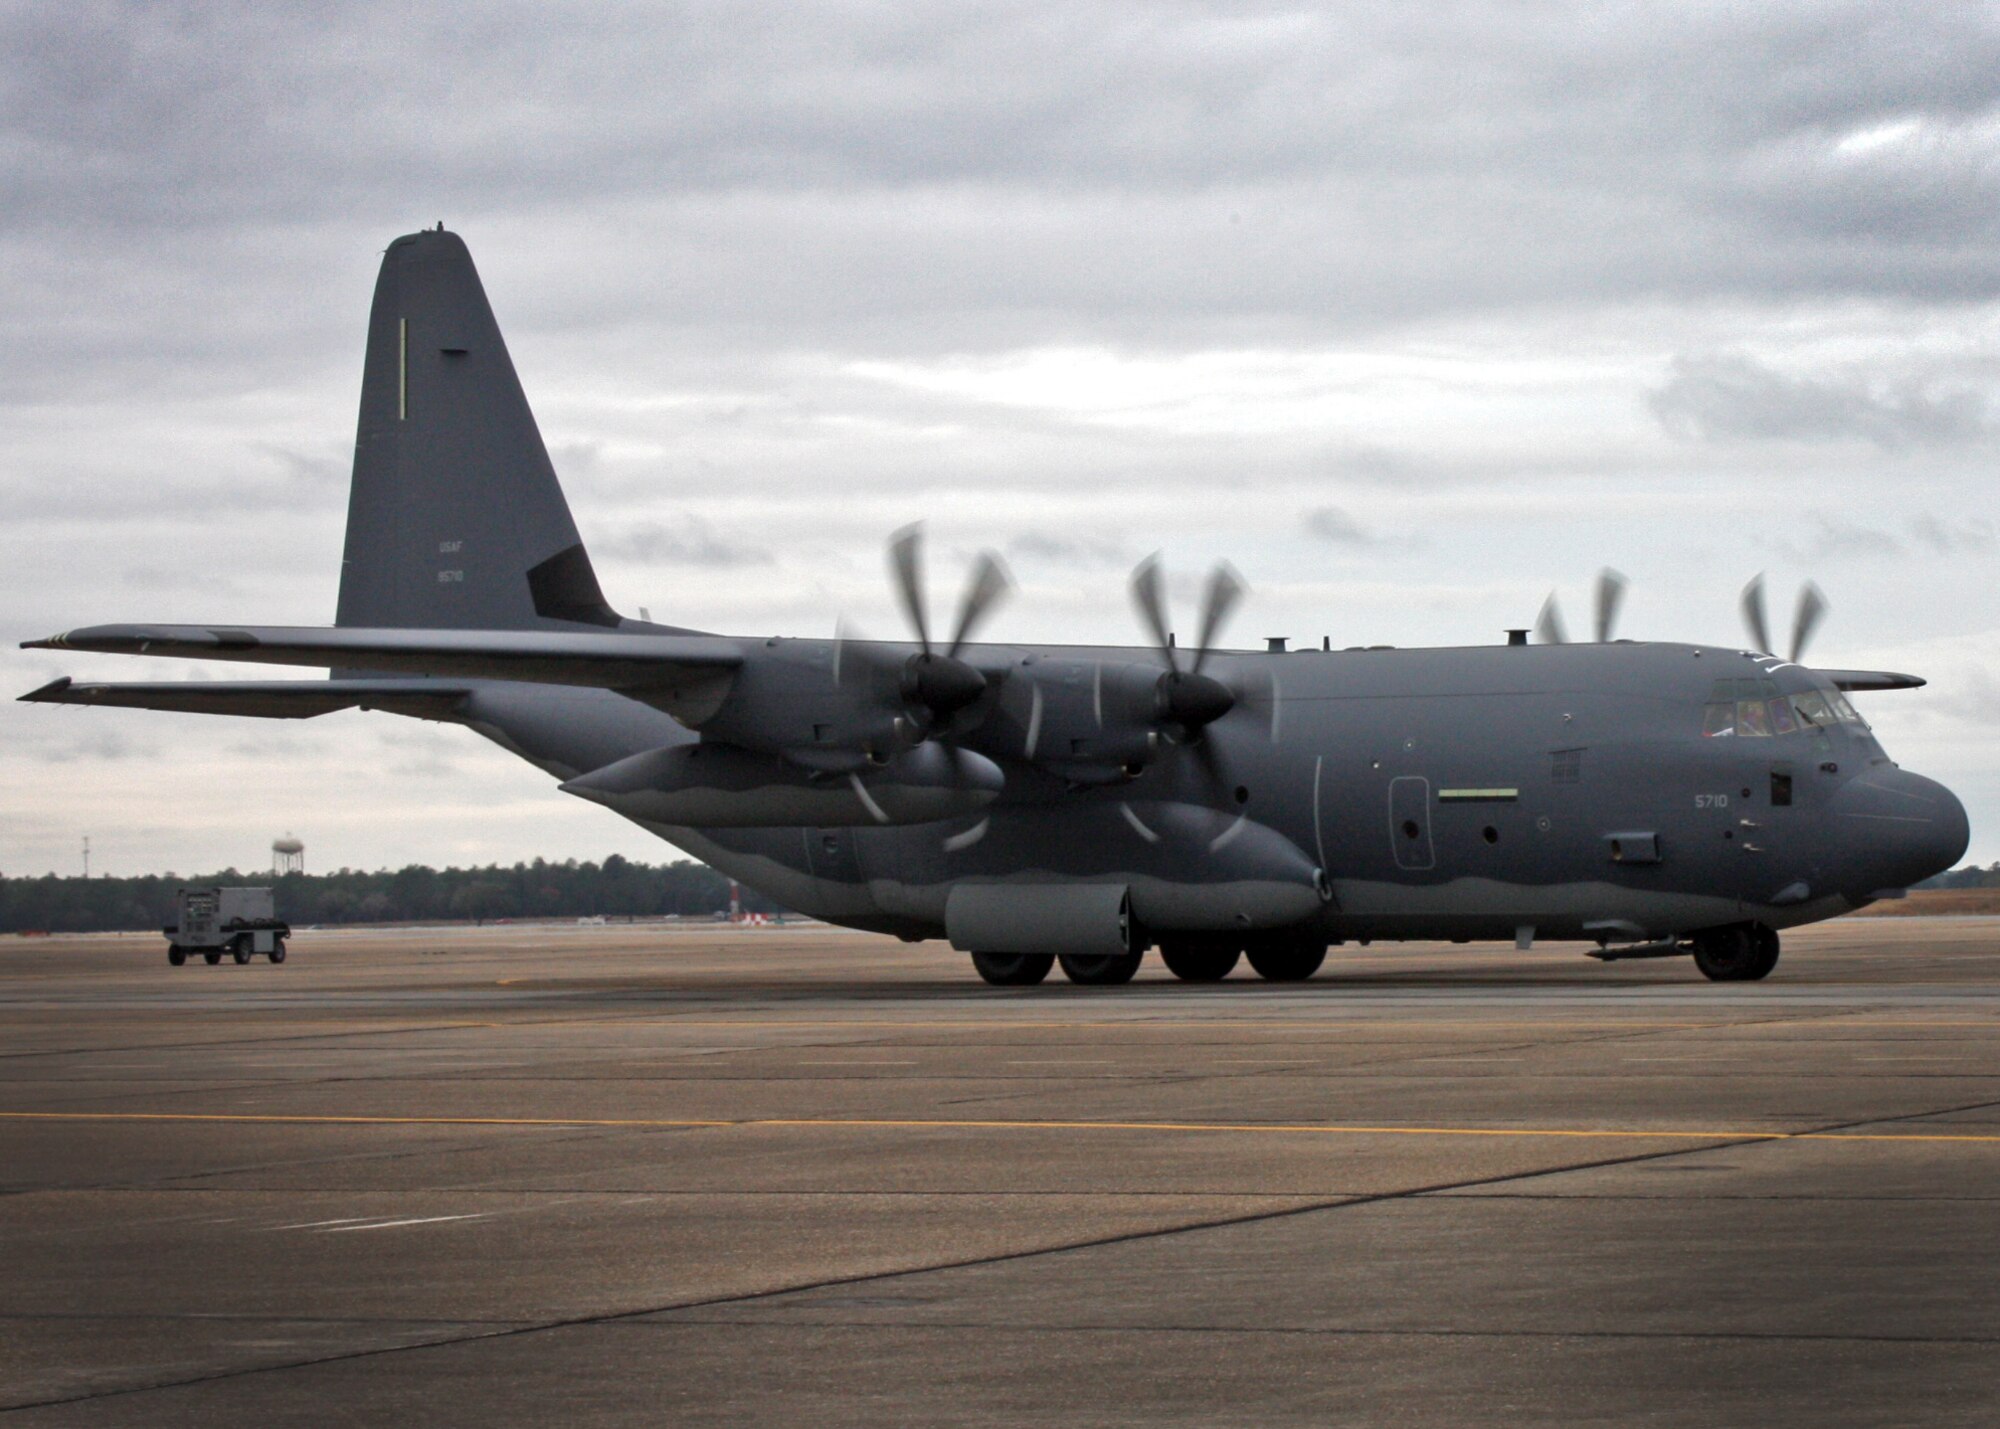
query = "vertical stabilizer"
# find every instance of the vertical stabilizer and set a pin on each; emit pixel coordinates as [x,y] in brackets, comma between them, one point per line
[455,520]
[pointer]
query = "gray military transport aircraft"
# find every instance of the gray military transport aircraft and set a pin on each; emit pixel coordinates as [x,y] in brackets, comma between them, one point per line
[1082,804]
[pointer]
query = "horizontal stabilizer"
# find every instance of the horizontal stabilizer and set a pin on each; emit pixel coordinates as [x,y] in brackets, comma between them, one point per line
[688,676]
[262,699]
[1872,680]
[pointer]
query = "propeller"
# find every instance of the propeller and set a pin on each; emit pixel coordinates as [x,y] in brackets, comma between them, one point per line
[936,683]
[1187,697]
[1812,607]
[1611,585]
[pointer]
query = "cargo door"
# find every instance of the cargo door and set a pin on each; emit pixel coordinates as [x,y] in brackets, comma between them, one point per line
[1410,822]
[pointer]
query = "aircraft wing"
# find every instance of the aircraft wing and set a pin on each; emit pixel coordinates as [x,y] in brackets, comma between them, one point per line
[688,676]
[261,699]
[1872,680]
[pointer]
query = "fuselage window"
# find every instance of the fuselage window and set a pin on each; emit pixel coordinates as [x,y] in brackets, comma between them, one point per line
[1752,718]
[1719,718]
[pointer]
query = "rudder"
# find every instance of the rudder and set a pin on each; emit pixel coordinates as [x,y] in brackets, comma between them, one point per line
[455,519]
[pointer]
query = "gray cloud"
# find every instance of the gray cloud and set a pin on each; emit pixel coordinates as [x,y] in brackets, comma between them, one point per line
[1067,550]
[1332,523]
[1727,398]
[690,542]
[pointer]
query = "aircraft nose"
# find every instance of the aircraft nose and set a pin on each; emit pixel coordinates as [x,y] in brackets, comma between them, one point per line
[1900,827]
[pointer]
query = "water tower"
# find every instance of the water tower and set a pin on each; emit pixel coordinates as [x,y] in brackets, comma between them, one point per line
[288,855]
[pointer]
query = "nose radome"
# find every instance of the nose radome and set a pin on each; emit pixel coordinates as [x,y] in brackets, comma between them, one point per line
[1896,828]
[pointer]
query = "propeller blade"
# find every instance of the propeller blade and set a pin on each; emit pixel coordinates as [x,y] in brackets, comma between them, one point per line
[1151,603]
[1812,605]
[1549,624]
[906,560]
[1225,589]
[989,586]
[1753,614]
[1610,595]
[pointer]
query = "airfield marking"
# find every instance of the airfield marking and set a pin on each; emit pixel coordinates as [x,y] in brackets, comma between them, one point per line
[923,1124]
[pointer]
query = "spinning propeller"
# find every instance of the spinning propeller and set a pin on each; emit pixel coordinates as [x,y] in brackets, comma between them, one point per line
[934,684]
[1187,698]
[1610,595]
[1805,618]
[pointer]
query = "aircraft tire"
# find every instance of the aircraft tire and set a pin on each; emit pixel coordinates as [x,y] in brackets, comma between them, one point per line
[1741,952]
[1288,962]
[212,957]
[1198,962]
[239,948]
[1013,969]
[1100,970]
[176,954]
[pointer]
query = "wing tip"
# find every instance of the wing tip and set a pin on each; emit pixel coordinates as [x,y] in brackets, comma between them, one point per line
[51,693]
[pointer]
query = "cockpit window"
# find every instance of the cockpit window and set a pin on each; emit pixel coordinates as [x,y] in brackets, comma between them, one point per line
[1754,708]
[1843,711]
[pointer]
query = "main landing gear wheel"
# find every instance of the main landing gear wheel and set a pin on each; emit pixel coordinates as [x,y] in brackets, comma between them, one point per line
[1199,962]
[1100,970]
[1013,969]
[1743,952]
[176,954]
[1288,962]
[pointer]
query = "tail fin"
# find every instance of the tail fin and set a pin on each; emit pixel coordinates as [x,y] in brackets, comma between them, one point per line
[455,520]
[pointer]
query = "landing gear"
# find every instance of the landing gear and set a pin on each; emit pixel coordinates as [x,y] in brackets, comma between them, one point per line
[1741,952]
[1000,969]
[1100,970]
[1292,959]
[1194,961]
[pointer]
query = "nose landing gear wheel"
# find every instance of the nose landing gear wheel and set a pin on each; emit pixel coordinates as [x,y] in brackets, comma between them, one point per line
[1013,969]
[1198,962]
[1744,952]
[1104,970]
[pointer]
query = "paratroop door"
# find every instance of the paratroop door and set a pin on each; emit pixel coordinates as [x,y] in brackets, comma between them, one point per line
[1410,821]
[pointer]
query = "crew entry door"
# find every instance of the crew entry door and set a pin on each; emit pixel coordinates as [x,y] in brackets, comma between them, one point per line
[1410,822]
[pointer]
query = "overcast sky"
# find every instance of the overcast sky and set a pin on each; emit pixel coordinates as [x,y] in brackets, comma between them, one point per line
[1412,312]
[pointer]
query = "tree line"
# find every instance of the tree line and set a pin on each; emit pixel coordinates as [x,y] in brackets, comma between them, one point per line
[1971,876]
[614,888]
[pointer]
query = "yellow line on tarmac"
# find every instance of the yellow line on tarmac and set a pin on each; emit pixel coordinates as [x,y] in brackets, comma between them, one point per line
[936,1124]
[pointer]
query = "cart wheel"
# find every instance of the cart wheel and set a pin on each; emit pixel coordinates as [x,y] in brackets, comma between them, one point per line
[176,954]
[239,948]
[277,950]
[212,958]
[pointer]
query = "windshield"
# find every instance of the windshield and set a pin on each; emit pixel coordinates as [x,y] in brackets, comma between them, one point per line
[1756,709]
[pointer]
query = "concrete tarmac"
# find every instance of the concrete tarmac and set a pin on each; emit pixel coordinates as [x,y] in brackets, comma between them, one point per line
[714,1176]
